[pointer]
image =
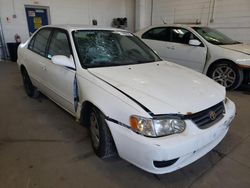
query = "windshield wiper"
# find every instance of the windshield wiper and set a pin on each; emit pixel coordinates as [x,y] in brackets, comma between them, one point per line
[145,61]
[230,43]
[237,42]
[105,64]
[100,64]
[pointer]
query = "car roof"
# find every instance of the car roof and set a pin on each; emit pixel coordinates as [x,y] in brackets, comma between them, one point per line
[178,25]
[73,27]
[140,32]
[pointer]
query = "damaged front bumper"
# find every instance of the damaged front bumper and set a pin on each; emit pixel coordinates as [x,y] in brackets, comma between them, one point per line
[167,154]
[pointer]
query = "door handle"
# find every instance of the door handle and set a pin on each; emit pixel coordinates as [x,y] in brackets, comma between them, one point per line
[171,47]
[44,68]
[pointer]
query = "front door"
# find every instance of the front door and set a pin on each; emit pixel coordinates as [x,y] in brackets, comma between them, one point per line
[36,17]
[180,52]
[59,79]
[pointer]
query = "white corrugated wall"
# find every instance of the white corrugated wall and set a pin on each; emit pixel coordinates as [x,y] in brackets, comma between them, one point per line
[64,12]
[229,16]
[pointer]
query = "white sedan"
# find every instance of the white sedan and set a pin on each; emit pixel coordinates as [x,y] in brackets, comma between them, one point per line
[157,115]
[203,49]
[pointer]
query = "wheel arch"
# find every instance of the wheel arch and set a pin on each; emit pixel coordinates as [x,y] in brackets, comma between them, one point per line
[211,66]
[22,68]
[85,113]
[85,110]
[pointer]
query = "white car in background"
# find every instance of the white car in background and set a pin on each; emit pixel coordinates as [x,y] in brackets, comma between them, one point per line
[203,49]
[157,115]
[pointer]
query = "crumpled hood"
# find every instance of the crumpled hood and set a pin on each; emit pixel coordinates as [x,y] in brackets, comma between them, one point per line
[163,87]
[243,48]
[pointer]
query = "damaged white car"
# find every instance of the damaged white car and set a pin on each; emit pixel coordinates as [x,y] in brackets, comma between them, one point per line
[155,114]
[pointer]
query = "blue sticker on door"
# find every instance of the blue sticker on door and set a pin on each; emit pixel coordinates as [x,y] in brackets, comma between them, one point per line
[36,18]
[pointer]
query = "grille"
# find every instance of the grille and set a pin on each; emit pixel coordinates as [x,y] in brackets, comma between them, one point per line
[208,117]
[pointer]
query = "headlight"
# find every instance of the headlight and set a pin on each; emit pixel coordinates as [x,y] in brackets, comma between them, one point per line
[156,127]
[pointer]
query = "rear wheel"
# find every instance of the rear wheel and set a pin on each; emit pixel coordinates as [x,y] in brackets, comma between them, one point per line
[101,138]
[227,74]
[30,89]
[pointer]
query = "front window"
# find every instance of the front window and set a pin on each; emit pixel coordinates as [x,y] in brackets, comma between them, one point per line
[213,36]
[59,44]
[111,48]
[183,36]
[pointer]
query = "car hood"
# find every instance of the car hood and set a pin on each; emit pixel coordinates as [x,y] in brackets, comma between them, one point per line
[163,87]
[243,48]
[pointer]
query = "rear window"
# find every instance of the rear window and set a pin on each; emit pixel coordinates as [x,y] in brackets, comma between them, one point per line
[39,42]
[160,33]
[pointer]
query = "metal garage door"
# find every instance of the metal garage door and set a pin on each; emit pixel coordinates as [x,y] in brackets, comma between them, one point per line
[229,16]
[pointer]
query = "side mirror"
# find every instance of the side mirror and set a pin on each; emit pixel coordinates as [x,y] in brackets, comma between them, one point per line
[63,61]
[194,42]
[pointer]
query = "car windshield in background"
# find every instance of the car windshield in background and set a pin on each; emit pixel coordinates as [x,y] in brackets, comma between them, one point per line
[100,48]
[213,36]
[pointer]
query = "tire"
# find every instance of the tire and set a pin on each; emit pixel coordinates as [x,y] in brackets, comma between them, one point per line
[246,79]
[227,74]
[29,88]
[101,138]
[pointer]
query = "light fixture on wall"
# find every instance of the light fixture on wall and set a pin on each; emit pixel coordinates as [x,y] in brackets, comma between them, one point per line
[14,16]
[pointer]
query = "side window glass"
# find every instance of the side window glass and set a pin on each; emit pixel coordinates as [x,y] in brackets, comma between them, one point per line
[161,33]
[31,44]
[180,35]
[39,42]
[59,44]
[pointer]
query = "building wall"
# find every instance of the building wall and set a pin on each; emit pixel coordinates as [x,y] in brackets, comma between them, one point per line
[229,16]
[64,12]
[130,14]
[143,14]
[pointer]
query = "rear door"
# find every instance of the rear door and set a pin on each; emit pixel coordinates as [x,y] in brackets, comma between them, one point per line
[158,39]
[35,57]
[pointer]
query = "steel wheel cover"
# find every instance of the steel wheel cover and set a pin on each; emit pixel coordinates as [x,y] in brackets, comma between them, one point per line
[94,129]
[224,75]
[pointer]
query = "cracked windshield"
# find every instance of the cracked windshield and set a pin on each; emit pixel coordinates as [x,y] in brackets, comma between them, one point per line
[111,48]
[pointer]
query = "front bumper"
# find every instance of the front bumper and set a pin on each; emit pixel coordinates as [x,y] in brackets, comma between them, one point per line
[187,147]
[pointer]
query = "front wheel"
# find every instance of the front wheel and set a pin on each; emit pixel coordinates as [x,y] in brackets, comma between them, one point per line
[227,74]
[101,138]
